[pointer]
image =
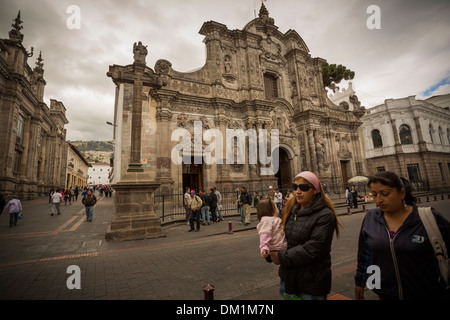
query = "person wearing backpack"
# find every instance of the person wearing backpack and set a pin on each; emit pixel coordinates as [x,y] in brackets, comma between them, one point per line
[196,204]
[394,239]
[89,200]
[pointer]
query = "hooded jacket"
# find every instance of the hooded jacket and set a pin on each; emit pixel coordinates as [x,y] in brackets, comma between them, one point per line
[408,267]
[305,267]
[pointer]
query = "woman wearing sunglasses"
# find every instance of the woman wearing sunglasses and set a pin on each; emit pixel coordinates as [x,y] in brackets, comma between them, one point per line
[309,220]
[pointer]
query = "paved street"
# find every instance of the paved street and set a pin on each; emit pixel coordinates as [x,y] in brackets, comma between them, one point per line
[36,253]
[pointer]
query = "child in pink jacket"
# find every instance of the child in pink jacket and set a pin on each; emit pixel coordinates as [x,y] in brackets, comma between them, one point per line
[270,229]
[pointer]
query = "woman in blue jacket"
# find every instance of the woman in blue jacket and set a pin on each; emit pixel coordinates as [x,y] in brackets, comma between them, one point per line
[394,239]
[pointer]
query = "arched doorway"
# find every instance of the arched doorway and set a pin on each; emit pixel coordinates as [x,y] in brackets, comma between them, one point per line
[284,174]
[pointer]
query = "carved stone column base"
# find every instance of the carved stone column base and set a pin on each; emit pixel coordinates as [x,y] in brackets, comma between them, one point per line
[134,216]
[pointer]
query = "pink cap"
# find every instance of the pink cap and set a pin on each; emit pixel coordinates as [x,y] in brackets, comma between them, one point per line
[311,177]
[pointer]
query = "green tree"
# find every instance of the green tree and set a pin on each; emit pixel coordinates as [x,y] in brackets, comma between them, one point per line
[333,74]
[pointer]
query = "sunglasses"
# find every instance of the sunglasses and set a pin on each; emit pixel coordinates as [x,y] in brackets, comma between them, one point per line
[303,187]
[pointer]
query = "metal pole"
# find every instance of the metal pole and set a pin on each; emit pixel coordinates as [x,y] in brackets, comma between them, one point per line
[209,292]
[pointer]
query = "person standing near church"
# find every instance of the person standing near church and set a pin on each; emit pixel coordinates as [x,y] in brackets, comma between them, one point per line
[196,204]
[187,204]
[245,201]
[213,204]
[278,199]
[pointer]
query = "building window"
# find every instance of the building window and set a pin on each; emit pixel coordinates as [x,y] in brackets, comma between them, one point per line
[448,136]
[413,172]
[381,169]
[19,129]
[441,135]
[17,161]
[376,139]
[441,169]
[405,134]
[431,132]
[271,87]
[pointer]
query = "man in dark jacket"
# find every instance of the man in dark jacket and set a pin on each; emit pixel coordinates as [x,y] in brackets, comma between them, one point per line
[89,200]
[213,204]
[206,200]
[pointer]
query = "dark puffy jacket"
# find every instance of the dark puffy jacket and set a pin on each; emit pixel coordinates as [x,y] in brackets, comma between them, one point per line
[408,267]
[305,266]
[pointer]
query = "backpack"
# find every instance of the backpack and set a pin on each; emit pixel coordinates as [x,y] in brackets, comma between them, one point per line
[438,244]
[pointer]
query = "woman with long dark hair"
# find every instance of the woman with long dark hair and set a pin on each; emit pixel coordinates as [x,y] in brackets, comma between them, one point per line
[309,220]
[393,238]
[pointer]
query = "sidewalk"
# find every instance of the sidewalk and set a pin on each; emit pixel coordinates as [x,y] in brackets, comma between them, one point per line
[36,253]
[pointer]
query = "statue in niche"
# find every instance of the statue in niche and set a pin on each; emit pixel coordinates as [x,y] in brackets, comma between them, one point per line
[227,64]
[139,52]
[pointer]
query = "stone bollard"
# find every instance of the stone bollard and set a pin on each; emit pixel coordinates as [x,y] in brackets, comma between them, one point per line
[418,200]
[435,198]
[348,210]
[364,208]
[428,199]
[209,292]
[442,197]
[230,228]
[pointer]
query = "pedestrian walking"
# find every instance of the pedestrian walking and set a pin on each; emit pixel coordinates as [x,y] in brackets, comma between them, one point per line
[348,197]
[206,200]
[270,193]
[270,229]
[14,206]
[354,197]
[309,220]
[187,204]
[89,200]
[213,205]
[77,192]
[196,204]
[278,198]
[56,201]
[245,201]
[394,238]
[219,205]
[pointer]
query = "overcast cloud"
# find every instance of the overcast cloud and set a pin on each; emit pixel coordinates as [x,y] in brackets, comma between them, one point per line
[408,56]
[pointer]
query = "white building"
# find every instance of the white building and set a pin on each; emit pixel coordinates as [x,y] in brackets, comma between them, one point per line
[412,138]
[99,173]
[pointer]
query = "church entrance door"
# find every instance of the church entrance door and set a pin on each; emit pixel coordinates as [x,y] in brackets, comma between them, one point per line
[192,176]
[284,174]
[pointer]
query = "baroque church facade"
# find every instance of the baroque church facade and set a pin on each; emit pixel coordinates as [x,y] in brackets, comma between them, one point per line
[254,78]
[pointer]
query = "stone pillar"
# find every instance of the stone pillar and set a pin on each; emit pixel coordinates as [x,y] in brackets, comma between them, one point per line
[135,216]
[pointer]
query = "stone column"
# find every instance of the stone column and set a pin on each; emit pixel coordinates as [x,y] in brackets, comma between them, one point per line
[135,216]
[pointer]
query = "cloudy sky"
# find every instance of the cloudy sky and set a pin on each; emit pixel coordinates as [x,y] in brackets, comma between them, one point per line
[409,55]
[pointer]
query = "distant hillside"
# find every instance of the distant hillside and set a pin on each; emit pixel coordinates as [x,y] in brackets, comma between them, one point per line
[106,146]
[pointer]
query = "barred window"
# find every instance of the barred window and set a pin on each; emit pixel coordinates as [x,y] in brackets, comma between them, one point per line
[271,86]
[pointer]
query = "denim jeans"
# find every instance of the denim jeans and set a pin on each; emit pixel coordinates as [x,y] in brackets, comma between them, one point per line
[89,212]
[300,296]
[205,214]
